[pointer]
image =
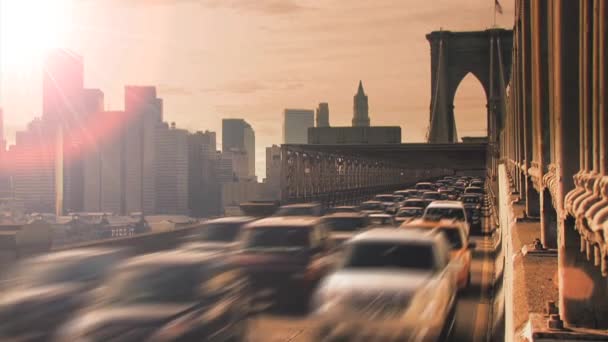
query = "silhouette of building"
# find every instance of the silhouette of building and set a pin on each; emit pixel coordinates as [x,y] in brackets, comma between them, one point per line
[354,135]
[272,183]
[323,115]
[63,84]
[171,170]
[204,195]
[360,108]
[104,167]
[295,125]
[143,112]
[225,169]
[5,175]
[238,135]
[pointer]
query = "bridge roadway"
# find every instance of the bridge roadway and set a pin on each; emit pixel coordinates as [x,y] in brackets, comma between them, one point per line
[472,315]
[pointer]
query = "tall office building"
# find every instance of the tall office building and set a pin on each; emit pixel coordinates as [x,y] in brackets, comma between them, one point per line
[171,171]
[143,113]
[360,108]
[5,175]
[204,190]
[238,135]
[273,173]
[34,167]
[104,166]
[323,115]
[63,84]
[295,125]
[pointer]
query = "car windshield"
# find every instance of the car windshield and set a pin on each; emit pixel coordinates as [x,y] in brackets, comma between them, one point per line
[345,224]
[296,211]
[390,255]
[372,206]
[409,212]
[40,273]
[431,195]
[447,213]
[470,199]
[277,237]
[418,204]
[376,221]
[221,232]
[453,236]
[473,191]
[171,283]
[385,198]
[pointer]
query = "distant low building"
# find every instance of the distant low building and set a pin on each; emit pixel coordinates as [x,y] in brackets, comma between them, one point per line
[354,135]
[475,140]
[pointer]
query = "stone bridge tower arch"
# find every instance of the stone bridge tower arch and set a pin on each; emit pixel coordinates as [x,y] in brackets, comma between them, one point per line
[486,55]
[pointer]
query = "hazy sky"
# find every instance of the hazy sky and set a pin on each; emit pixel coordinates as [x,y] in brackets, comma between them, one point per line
[212,59]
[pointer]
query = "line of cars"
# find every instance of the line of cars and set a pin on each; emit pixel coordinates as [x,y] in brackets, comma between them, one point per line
[345,265]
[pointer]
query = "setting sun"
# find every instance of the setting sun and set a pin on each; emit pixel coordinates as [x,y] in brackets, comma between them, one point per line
[28,28]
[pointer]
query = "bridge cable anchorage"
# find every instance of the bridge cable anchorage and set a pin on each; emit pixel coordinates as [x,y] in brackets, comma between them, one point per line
[436,91]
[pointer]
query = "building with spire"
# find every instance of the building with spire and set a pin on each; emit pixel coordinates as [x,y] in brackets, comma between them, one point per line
[360,133]
[360,108]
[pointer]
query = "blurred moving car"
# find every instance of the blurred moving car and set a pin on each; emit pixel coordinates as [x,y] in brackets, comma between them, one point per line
[473,190]
[453,210]
[42,292]
[284,258]
[415,203]
[425,186]
[408,193]
[344,226]
[448,193]
[217,234]
[477,183]
[167,296]
[390,202]
[392,285]
[472,205]
[344,209]
[455,234]
[406,214]
[370,207]
[381,220]
[302,209]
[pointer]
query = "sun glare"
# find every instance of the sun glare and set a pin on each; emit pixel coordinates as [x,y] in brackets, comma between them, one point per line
[28,28]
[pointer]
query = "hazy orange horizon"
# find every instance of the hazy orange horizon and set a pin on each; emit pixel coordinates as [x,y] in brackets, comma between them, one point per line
[212,59]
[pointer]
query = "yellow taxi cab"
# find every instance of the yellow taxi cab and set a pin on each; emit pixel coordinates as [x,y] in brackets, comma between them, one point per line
[460,246]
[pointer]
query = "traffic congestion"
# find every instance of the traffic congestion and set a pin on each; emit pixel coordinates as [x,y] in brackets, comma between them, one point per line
[392,268]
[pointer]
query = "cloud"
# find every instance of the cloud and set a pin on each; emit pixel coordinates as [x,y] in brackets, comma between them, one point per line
[271,7]
[237,87]
[165,89]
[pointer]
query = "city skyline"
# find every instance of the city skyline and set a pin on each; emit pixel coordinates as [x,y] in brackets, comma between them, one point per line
[135,42]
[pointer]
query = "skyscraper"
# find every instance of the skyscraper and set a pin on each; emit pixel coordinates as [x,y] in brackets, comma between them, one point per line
[295,125]
[238,135]
[323,115]
[63,84]
[143,112]
[171,170]
[203,185]
[360,108]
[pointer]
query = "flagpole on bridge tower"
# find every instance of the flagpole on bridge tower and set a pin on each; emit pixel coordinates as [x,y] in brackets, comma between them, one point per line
[497,9]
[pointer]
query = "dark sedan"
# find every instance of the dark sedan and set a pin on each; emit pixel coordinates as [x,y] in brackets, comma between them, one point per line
[170,296]
[42,292]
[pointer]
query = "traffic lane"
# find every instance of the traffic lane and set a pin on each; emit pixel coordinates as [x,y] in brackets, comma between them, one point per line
[472,311]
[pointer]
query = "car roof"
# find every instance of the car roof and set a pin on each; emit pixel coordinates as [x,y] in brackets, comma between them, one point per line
[446,204]
[284,221]
[232,219]
[345,207]
[409,208]
[383,215]
[78,253]
[470,195]
[385,195]
[371,202]
[424,183]
[392,235]
[177,257]
[345,215]
[432,224]
[430,192]
[301,205]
